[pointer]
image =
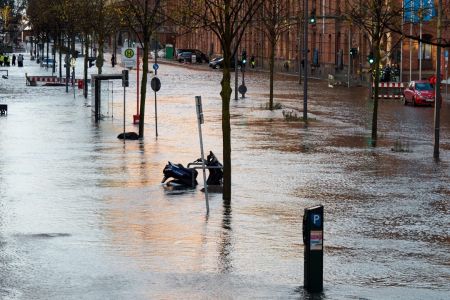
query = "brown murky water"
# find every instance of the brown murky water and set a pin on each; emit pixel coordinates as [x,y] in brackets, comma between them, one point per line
[83,215]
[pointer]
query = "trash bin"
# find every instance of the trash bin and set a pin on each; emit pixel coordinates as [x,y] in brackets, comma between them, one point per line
[80,84]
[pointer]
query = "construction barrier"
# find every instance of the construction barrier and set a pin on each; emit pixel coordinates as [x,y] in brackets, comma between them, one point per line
[32,80]
[390,90]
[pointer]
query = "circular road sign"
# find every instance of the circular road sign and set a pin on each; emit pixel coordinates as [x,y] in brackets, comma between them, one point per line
[242,89]
[155,83]
[129,53]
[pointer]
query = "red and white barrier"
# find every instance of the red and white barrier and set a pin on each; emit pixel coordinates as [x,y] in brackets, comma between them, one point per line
[46,79]
[390,90]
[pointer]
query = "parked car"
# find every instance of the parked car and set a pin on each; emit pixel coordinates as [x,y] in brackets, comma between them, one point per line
[200,57]
[419,92]
[217,63]
[185,56]
[48,62]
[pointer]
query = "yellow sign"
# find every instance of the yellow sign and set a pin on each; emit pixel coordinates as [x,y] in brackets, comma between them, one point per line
[129,53]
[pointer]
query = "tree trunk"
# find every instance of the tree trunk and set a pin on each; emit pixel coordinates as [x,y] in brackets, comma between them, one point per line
[86,58]
[100,58]
[143,85]
[226,132]
[60,46]
[271,68]
[376,77]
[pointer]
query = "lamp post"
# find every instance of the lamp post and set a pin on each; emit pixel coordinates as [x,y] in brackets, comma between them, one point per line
[305,55]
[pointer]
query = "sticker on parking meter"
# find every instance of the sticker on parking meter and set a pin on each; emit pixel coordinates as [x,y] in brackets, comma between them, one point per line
[316,240]
[316,220]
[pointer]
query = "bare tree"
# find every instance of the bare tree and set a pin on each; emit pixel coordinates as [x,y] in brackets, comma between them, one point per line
[375,17]
[228,19]
[275,20]
[144,17]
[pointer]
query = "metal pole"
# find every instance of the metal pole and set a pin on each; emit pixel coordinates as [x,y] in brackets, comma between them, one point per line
[410,42]
[137,81]
[198,102]
[420,43]
[124,114]
[401,45]
[112,100]
[437,98]
[305,53]
[73,81]
[156,117]
[235,77]
[349,56]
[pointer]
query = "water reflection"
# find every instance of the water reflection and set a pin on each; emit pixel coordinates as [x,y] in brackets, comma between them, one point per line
[76,203]
[225,244]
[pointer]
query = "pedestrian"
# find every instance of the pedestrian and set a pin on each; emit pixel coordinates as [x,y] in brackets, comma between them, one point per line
[14,60]
[1,59]
[113,60]
[20,60]
[252,61]
[6,61]
[432,80]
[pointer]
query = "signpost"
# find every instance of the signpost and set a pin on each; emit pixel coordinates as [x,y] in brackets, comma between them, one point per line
[200,120]
[155,83]
[73,61]
[129,57]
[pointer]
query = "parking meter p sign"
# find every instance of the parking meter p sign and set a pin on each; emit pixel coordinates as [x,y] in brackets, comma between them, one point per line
[316,220]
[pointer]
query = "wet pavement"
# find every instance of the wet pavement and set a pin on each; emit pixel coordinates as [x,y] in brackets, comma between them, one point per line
[83,215]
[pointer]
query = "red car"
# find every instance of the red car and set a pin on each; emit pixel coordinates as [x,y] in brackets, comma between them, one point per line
[419,92]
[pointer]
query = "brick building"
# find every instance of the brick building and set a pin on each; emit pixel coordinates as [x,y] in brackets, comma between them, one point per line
[329,42]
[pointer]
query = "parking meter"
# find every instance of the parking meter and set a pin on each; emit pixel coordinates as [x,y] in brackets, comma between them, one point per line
[313,248]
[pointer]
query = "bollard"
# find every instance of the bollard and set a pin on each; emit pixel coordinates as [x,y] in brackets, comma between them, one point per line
[313,249]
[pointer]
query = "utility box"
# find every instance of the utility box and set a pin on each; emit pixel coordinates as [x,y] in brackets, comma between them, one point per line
[169,51]
[313,249]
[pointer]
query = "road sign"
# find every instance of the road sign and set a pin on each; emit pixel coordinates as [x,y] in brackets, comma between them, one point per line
[155,67]
[242,89]
[129,57]
[155,83]
[316,220]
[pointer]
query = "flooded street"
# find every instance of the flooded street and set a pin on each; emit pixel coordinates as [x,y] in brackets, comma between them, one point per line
[83,215]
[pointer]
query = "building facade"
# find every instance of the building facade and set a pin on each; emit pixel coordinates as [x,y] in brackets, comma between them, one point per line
[335,46]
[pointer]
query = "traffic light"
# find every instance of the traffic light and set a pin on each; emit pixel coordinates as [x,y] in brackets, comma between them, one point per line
[370,58]
[244,57]
[125,81]
[353,52]
[312,17]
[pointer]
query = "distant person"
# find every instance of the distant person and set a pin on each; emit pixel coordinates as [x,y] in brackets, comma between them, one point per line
[20,61]
[14,60]
[113,60]
[2,58]
[252,61]
[6,61]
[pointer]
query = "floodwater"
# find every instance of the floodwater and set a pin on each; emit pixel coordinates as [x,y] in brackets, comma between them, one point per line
[83,215]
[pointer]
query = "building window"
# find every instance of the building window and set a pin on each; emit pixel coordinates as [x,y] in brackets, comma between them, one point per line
[426,48]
